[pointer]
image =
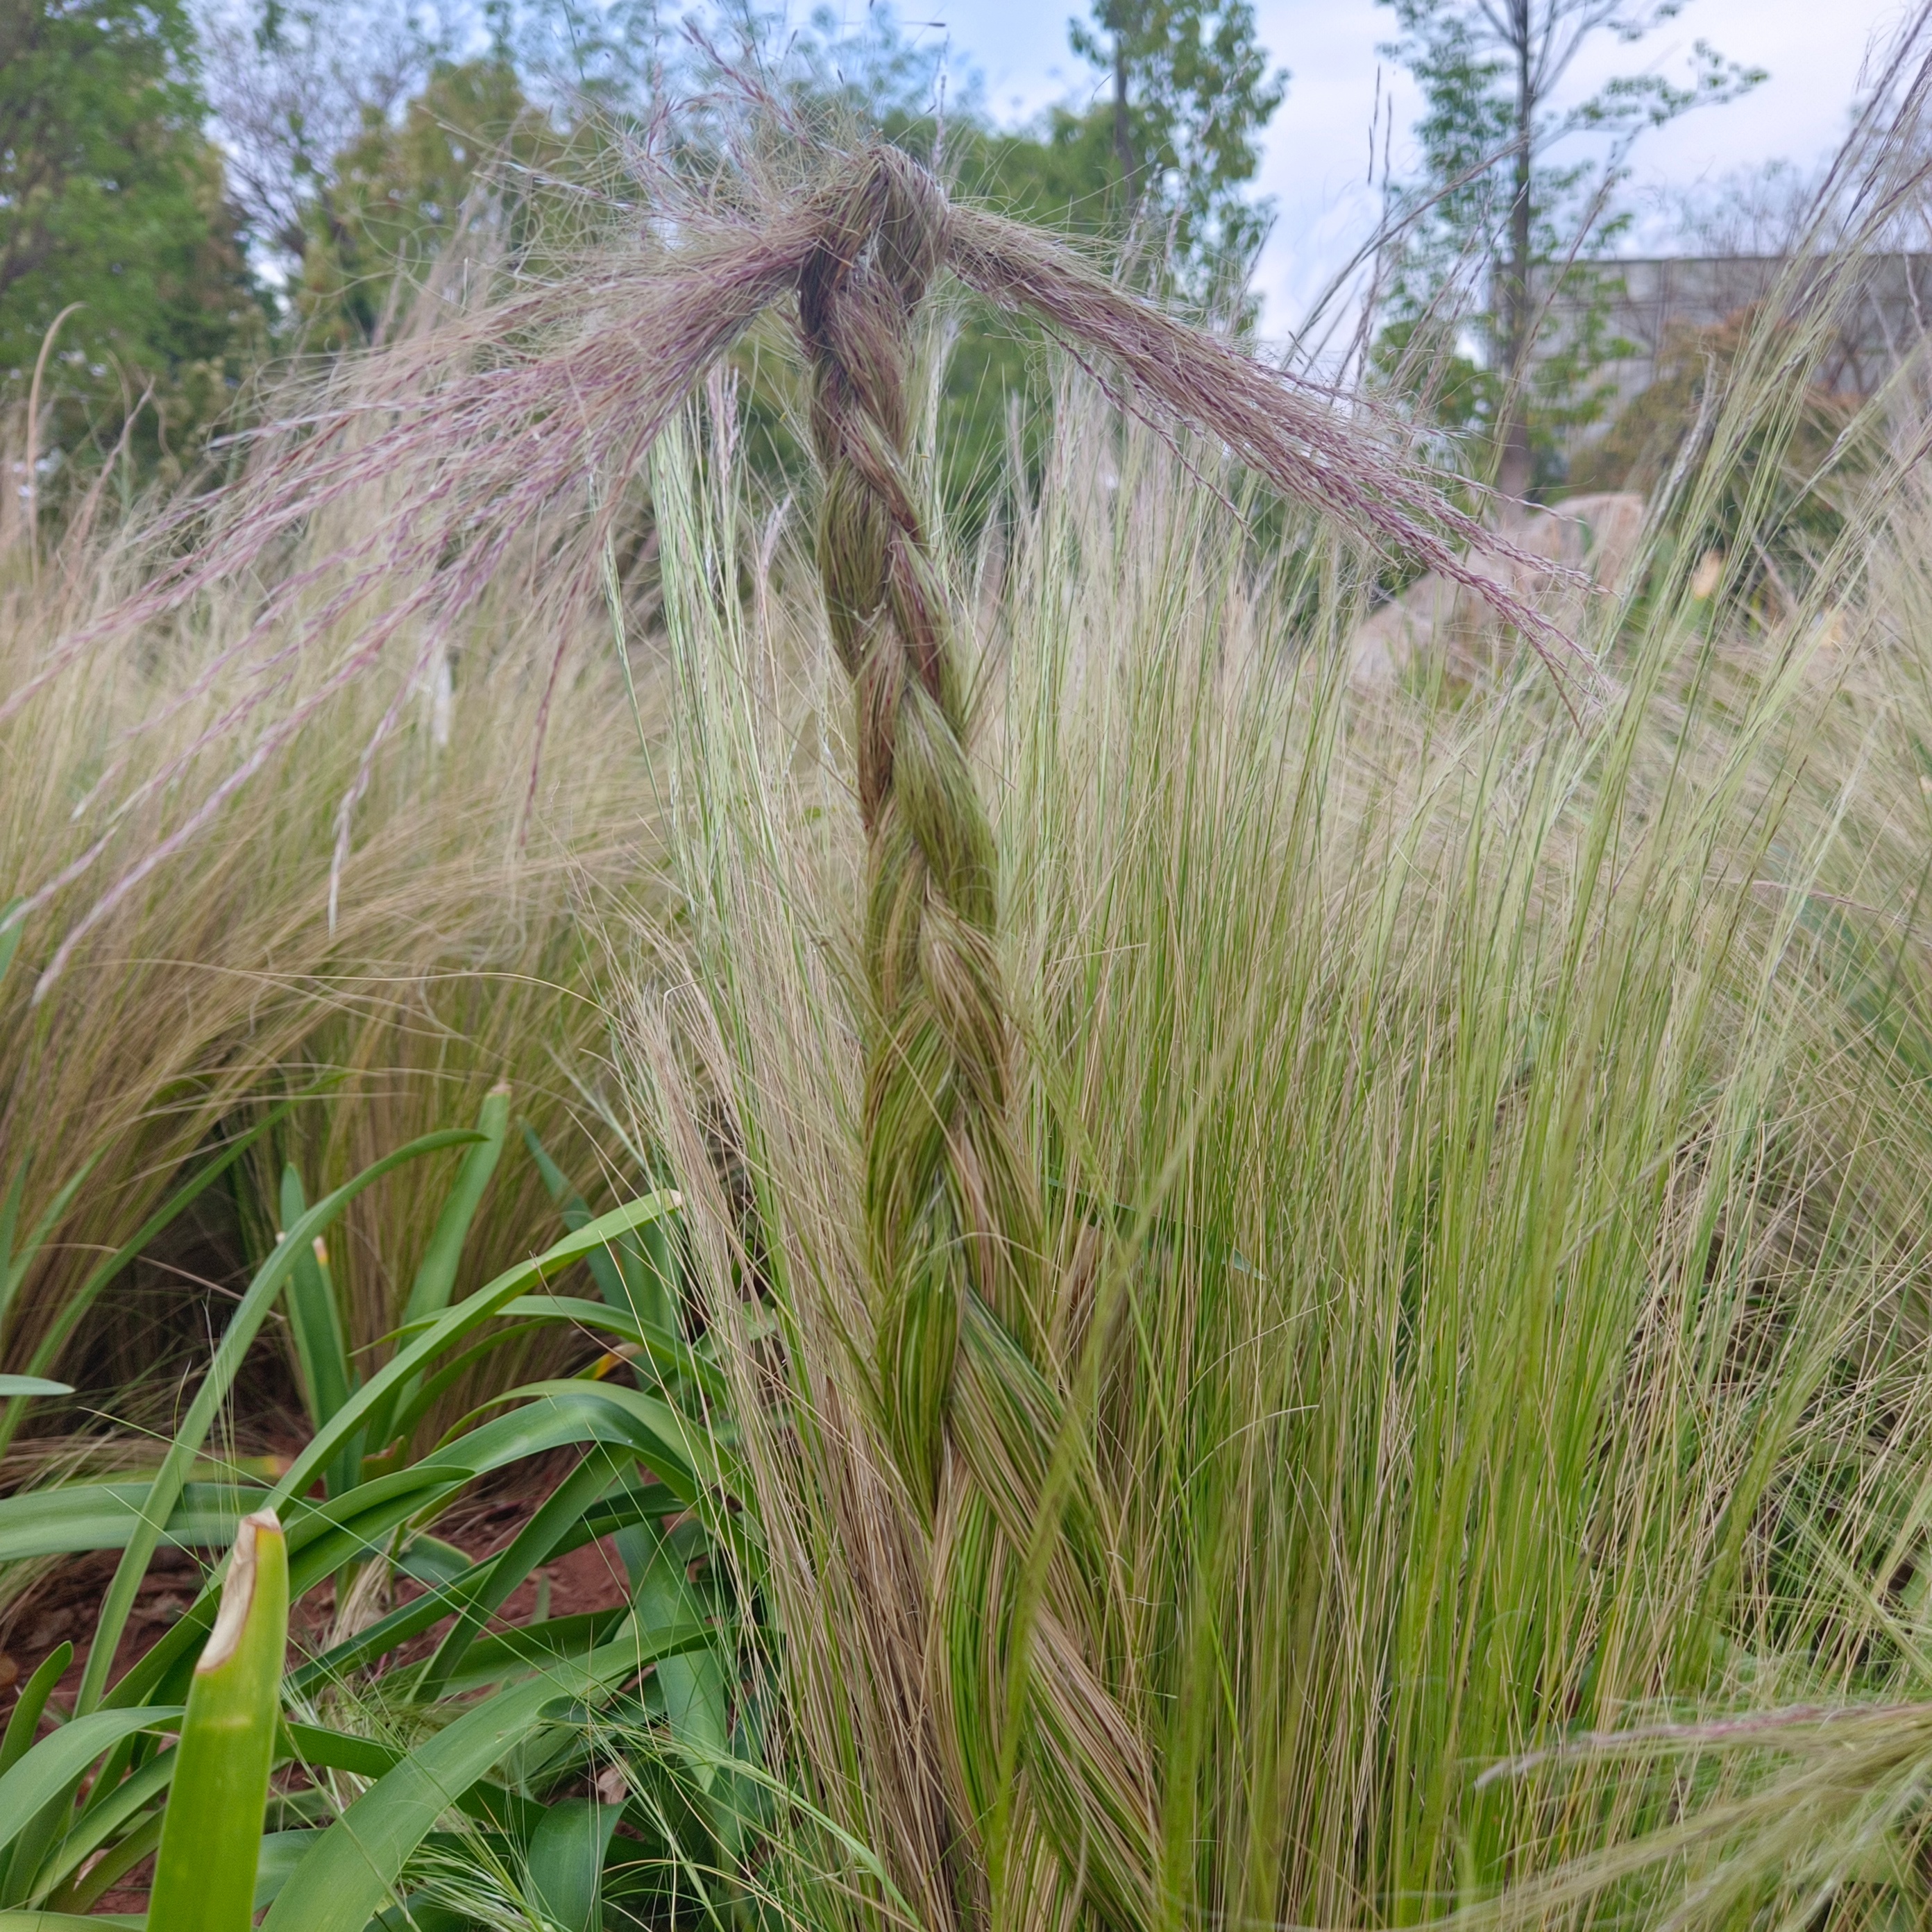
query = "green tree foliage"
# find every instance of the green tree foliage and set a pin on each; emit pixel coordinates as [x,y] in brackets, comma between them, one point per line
[1060,174]
[456,161]
[1496,222]
[1192,91]
[292,83]
[112,197]
[563,81]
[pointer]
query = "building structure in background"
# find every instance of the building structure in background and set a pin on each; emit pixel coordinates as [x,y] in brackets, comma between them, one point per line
[1642,303]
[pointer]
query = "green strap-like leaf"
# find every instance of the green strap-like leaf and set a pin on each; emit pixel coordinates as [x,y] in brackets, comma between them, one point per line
[504,1655]
[448,1464]
[676,1450]
[68,1921]
[354,1528]
[60,1759]
[241,1331]
[565,1862]
[108,1812]
[282,1852]
[314,1748]
[429,1293]
[692,1685]
[321,1538]
[211,1834]
[313,1319]
[317,1747]
[670,1353]
[351,1872]
[427,1390]
[435,1277]
[379,1639]
[532,1545]
[25,1721]
[635,1275]
[576,1214]
[453,1324]
[67,1519]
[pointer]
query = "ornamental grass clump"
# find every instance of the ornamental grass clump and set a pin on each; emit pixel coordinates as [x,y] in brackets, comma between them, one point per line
[1040,1786]
[457,952]
[1456,1385]
[1264,1257]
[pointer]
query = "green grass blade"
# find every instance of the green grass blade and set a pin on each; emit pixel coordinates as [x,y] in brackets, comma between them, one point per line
[241,1331]
[350,1874]
[211,1836]
[565,1862]
[25,1718]
[53,1766]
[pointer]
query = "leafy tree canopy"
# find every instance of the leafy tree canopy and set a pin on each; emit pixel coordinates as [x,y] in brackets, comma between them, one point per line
[1496,216]
[112,197]
[400,193]
[1192,91]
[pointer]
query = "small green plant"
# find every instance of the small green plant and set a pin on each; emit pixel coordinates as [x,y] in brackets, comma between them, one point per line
[382,1733]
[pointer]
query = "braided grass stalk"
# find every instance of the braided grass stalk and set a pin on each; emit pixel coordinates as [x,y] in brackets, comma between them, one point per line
[471,436]
[952,1214]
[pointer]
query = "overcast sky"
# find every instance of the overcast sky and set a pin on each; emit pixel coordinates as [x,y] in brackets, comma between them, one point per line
[1318,148]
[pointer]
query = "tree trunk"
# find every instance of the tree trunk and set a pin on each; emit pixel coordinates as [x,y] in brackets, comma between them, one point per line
[1513,468]
[1123,136]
